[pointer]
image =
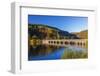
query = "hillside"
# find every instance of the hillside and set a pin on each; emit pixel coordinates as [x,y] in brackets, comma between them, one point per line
[82,34]
[41,31]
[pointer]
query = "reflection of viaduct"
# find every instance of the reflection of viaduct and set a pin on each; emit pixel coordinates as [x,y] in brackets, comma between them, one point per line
[64,42]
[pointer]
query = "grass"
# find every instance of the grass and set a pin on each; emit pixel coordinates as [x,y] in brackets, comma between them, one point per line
[70,54]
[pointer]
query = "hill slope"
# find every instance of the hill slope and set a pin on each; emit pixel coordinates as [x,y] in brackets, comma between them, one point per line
[41,31]
[83,34]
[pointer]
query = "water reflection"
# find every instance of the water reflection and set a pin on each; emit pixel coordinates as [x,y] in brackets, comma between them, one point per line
[50,52]
[42,50]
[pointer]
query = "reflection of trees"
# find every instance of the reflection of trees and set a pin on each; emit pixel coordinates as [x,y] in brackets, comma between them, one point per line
[42,50]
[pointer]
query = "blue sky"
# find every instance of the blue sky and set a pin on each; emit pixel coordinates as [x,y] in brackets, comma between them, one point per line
[66,23]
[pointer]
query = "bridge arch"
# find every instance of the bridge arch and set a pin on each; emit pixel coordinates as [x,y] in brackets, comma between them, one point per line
[66,42]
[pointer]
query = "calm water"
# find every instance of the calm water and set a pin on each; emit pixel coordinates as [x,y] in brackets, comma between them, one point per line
[50,52]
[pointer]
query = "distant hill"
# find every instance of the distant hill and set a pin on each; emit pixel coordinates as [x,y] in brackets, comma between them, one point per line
[41,31]
[82,34]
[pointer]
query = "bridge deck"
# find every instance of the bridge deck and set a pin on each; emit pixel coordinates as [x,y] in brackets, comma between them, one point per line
[81,42]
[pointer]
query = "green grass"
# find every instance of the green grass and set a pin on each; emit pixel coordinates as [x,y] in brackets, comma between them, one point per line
[86,44]
[69,54]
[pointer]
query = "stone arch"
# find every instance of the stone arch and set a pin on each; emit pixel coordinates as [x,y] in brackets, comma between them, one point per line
[78,43]
[71,43]
[54,42]
[57,42]
[66,42]
[81,43]
[61,42]
[49,42]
